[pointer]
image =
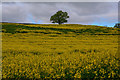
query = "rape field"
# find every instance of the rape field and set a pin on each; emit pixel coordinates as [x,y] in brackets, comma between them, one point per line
[65,51]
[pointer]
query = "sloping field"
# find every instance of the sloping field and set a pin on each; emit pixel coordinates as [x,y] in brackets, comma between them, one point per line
[59,51]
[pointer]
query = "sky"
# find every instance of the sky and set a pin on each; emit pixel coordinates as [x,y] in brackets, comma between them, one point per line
[86,13]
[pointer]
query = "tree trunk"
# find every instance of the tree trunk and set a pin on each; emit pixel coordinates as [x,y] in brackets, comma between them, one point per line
[59,22]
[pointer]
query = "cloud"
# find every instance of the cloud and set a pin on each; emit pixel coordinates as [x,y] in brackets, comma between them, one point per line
[79,12]
[0,11]
[14,12]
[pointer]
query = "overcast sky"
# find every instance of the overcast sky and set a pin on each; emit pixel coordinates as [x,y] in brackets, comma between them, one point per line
[88,13]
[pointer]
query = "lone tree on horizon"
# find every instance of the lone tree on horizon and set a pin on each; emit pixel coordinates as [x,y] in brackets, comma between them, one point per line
[60,17]
[117,25]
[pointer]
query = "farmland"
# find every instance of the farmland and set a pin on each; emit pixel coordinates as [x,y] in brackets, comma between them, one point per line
[59,51]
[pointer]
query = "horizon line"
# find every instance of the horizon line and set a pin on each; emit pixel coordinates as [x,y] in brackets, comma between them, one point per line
[52,23]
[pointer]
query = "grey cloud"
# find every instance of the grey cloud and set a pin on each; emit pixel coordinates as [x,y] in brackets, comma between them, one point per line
[13,13]
[79,12]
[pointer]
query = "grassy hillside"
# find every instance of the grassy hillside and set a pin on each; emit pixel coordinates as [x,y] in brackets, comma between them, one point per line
[59,51]
[52,28]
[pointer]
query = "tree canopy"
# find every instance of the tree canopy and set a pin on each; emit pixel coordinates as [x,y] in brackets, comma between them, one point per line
[60,17]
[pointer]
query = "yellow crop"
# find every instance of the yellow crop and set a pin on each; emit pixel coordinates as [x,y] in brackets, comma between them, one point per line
[39,55]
